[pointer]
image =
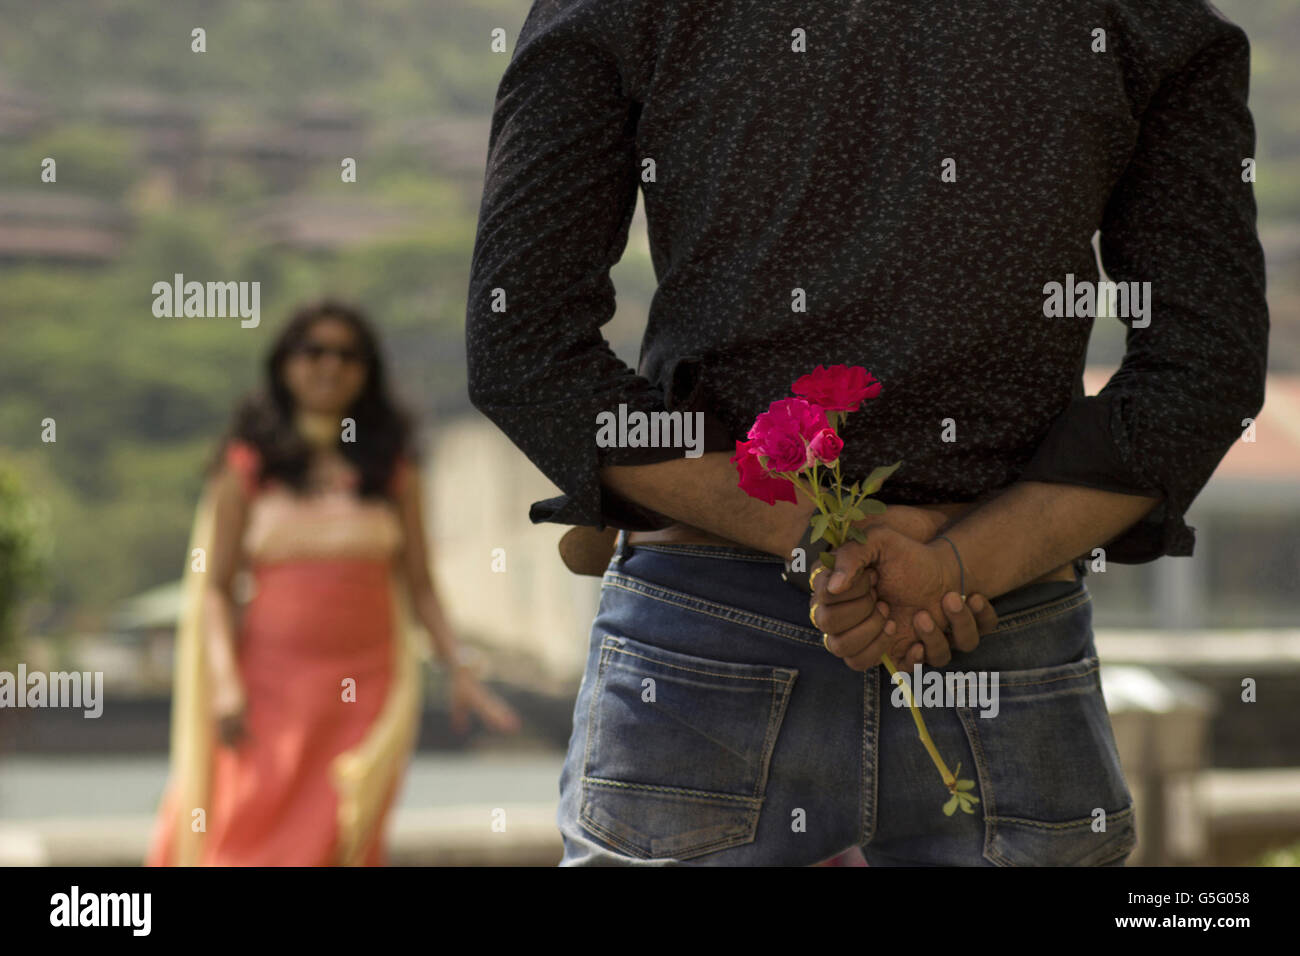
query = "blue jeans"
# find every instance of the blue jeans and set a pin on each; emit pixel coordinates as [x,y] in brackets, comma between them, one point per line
[713,728]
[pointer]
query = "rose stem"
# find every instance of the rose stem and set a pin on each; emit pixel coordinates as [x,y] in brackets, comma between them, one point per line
[944,772]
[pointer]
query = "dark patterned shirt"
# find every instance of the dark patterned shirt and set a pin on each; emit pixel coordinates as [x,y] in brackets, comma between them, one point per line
[893,185]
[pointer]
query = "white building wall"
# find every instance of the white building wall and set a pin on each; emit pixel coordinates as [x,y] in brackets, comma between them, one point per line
[533,618]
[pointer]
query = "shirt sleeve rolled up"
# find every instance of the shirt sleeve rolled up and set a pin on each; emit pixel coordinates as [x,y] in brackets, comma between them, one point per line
[559,193]
[1181,217]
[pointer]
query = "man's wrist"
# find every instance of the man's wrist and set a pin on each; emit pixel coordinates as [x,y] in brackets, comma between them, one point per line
[793,530]
[702,493]
[956,576]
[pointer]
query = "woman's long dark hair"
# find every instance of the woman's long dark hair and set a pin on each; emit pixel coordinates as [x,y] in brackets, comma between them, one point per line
[265,418]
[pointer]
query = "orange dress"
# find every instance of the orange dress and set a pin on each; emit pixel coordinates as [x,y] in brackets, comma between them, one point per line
[315,653]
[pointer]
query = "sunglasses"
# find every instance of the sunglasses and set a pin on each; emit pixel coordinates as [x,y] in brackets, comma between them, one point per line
[317,350]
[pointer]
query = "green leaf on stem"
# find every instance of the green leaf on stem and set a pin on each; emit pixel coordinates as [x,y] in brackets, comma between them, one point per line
[828,560]
[878,476]
[819,523]
[965,784]
[873,506]
[950,807]
[857,534]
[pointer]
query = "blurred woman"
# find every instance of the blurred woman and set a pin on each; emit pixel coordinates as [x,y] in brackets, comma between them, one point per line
[293,723]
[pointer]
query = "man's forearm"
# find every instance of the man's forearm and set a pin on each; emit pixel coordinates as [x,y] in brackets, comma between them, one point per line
[1035,526]
[704,492]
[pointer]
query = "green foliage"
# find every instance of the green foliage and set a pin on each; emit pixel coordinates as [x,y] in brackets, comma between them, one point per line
[1273,28]
[878,477]
[24,554]
[398,57]
[1282,856]
[94,160]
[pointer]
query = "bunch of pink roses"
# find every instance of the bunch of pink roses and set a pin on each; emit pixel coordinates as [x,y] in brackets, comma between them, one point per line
[796,438]
[791,447]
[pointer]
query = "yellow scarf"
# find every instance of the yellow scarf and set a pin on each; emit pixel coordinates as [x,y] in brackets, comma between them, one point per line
[362,776]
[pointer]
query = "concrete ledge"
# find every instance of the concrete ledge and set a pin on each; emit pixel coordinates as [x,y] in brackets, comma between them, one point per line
[1238,800]
[448,836]
[1238,803]
[463,836]
[1271,649]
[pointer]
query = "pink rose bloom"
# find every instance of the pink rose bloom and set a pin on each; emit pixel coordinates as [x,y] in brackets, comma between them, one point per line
[826,446]
[783,432]
[754,479]
[840,388]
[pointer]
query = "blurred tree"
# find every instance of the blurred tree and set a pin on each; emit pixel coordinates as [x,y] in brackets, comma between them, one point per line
[24,556]
[93,160]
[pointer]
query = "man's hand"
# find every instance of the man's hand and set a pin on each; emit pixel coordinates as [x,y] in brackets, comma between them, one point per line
[912,578]
[919,524]
[858,621]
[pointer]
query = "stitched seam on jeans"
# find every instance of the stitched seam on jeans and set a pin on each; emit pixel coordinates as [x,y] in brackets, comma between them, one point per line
[608,836]
[1052,609]
[720,844]
[988,800]
[1032,615]
[1078,824]
[780,707]
[734,616]
[862,789]
[769,742]
[751,803]
[722,553]
[596,690]
[1051,680]
[1122,849]
[871,699]
[1036,615]
[692,602]
[695,670]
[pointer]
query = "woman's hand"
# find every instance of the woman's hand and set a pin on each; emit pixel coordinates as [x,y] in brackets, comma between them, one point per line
[229,708]
[468,695]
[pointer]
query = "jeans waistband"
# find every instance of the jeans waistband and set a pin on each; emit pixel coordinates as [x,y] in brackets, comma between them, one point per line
[1017,599]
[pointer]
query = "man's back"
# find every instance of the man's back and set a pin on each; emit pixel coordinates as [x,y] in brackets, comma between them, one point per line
[893,185]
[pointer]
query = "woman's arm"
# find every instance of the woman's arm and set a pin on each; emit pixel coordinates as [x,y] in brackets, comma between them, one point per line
[467,693]
[219,609]
[414,560]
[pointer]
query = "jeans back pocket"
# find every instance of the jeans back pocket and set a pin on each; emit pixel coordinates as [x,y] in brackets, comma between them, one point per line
[678,749]
[1047,763]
